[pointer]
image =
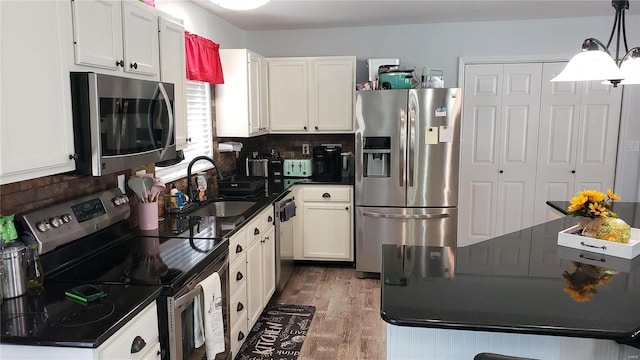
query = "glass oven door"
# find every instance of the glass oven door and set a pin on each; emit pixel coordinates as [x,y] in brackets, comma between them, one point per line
[181,329]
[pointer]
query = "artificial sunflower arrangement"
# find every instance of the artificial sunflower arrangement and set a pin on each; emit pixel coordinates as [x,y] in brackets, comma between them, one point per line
[593,204]
[596,218]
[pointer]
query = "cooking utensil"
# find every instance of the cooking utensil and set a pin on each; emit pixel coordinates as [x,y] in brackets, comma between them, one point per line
[156,189]
[14,282]
[136,184]
[147,185]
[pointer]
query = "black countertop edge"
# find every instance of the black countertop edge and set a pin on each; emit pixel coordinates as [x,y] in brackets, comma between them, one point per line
[264,201]
[87,343]
[631,339]
[558,205]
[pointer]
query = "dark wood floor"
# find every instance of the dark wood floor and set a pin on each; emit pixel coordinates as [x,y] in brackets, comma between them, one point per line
[347,323]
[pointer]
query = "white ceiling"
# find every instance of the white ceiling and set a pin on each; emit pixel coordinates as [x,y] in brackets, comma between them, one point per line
[310,14]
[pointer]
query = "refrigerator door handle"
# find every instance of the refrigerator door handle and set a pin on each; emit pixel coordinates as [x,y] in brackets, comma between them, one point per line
[403,216]
[403,132]
[412,140]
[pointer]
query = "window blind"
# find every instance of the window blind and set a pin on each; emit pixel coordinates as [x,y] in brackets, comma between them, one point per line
[198,130]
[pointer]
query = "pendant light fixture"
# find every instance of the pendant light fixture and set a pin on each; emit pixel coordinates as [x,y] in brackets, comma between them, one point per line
[595,62]
[240,4]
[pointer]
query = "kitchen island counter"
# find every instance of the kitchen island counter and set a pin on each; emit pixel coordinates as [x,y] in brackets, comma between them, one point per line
[519,294]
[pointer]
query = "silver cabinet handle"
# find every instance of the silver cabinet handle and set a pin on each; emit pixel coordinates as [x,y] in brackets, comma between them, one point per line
[403,216]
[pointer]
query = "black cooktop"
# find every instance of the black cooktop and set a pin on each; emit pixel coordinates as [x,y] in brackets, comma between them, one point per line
[145,258]
[51,318]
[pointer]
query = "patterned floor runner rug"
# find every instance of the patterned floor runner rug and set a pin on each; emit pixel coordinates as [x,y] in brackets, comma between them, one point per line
[278,334]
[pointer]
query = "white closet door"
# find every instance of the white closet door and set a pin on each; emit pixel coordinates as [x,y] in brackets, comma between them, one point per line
[597,136]
[578,136]
[480,150]
[518,142]
[558,135]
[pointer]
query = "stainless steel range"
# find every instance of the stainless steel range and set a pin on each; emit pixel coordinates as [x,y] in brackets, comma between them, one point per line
[89,241]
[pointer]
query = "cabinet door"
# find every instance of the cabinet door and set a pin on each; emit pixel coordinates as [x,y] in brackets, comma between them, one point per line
[332,89]
[269,264]
[97,33]
[255,292]
[232,97]
[288,95]
[264,94]
[254,93]
[140,29]
[328,229]
[36,134]
[173,70]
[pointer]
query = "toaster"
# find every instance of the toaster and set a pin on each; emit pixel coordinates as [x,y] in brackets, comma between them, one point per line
[298,168]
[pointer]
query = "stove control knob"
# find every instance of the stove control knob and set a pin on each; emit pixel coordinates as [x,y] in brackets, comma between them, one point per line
[42,226]
[66,218]
[55,222]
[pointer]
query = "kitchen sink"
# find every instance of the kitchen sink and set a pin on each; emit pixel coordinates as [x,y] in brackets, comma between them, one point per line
[224,208]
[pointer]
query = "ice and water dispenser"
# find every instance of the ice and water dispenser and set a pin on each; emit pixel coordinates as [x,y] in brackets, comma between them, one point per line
[376,156]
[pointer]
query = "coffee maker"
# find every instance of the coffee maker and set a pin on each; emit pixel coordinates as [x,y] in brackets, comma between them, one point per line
[327,163]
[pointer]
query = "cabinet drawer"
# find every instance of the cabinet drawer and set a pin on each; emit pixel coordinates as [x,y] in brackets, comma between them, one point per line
[238,336]
[254,230]
[267,217]
[238,308]
[237,245]
[145,325]
[237,276]
[326,193]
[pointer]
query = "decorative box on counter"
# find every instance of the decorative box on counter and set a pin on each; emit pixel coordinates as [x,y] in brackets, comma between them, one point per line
[569,237]
[606,261]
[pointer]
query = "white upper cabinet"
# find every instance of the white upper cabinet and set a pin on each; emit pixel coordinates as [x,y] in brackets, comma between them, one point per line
[241,102]
[116,36]
[173,70]
[36,133]
[311,94]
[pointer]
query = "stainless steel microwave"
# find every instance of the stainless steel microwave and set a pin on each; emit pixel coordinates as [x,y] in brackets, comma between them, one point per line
[120,123]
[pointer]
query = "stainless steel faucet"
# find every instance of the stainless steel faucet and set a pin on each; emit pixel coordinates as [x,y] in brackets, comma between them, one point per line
[196,159]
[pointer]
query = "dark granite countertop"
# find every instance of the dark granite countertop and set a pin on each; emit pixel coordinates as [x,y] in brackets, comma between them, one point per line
[515,283]
[185,225]
[90,325]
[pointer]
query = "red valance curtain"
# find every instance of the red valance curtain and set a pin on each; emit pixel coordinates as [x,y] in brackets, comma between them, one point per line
[203,59]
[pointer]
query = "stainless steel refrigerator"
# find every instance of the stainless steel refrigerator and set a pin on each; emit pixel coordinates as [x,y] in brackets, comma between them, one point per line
[406,184]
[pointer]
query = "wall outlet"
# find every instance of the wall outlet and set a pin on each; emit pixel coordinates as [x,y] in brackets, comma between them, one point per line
[305,149]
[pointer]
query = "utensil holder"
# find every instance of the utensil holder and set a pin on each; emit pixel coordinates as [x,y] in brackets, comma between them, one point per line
[148,216]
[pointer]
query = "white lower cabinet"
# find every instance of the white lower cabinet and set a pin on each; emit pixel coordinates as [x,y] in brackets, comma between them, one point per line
[323,225]
[238,289]
[260,265]
[252,277]
[118,346]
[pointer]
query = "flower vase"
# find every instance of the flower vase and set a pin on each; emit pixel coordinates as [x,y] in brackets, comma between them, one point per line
[590,225]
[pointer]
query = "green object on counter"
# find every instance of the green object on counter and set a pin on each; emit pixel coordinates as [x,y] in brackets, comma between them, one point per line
[8,228]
